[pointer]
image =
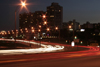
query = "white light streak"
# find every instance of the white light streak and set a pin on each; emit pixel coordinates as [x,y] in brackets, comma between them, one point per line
[43,49]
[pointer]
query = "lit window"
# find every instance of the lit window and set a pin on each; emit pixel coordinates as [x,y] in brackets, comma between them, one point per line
[72,23]
[31,14]
[93,34]
[59,10]
[25,21]
[52,16]
[52,10]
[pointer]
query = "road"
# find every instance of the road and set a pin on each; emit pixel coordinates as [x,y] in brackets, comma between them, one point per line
[89,61]
[84,58]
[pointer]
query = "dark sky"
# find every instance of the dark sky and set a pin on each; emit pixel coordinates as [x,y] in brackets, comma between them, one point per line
[81,10]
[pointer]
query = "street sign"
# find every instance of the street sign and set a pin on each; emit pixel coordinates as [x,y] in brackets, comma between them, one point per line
[76,40]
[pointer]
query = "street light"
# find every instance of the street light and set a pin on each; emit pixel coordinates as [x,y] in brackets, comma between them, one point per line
[32,27]
[56,28]
[70,27]
[39,30]
[39,26]
[44,16]
[25,28]
[45,23]
[48,29]
[23,4]
[32,31]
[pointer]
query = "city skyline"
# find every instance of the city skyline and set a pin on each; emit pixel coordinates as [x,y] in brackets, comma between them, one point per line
[82,11]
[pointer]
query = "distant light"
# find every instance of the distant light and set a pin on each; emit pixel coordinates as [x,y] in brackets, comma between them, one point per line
[23,3]
[43,33]
[71,29]
[72,44]
[75,37]
[48,29]
[66,41]
[44,16]
[56,28]
[81,42]
[34,37]
[82,30]
[32,30]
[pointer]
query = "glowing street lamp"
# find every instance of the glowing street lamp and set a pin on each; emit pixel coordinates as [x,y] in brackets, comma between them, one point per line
[45,22]
[27,31]
[25,28]
[48,29]
[23,4]
[44,16]
[20,29]
[70,27]
[39,30]
[56,28]
[32,27]
[39,26]
[32,31]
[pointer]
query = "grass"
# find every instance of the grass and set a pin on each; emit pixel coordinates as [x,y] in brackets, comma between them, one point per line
[11,45]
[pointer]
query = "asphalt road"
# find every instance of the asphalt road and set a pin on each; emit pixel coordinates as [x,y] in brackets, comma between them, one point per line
[88,61]
[84,58]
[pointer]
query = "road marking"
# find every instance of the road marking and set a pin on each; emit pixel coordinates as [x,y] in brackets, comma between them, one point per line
[76,55]
[9,61]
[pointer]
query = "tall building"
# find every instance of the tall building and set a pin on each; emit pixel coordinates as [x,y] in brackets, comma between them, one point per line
[87,25]
[73,25]
[55,15]
[28,20]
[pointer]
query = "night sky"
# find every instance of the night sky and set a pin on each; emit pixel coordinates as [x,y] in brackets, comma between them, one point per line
[81,10]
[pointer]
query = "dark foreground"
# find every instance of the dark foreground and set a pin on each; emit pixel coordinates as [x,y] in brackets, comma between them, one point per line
[88,61]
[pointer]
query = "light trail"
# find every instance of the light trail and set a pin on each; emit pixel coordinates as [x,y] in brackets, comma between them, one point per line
[43,49]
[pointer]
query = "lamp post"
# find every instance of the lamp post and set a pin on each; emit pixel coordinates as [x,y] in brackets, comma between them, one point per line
[23,5]
[56,28]
[70,27]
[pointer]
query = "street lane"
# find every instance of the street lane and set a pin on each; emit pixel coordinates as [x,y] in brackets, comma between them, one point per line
[60,59]
[43,49]
[89,61]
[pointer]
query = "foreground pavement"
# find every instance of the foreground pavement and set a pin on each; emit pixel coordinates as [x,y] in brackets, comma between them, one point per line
[83,58]
[89,61]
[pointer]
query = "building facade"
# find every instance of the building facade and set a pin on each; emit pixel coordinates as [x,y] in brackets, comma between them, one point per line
[55,15]
[87,25]
[28,20]
[73,25]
